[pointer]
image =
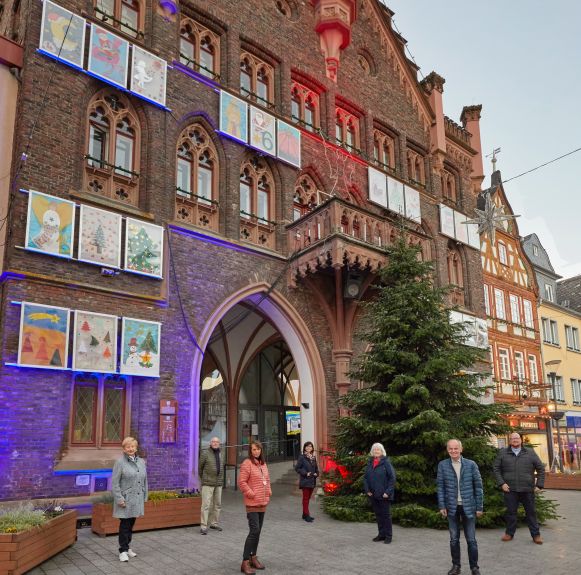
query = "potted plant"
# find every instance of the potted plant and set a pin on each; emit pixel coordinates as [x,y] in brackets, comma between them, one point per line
[29,536]
[163,509]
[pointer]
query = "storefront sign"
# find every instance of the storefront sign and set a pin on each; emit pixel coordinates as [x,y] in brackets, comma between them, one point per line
[293,422]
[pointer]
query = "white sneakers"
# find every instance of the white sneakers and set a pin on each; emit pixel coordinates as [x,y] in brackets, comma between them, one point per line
[126,554]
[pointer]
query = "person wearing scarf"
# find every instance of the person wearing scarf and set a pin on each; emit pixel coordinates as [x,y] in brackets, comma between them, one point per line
[308,469]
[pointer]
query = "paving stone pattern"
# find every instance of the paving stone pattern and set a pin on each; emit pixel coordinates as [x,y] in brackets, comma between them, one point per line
[325,547]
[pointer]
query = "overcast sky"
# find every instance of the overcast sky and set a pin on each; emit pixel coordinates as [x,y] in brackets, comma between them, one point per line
[520,59]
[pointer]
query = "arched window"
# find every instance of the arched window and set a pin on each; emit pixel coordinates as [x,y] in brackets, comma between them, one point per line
[125,15]
[257,203]
[416,171]
[199,48]
[455,275]
[305,197]
[197,178]
[113,148]
[256,79]
[346,129]
[448,181]
[383,150]
[304,106]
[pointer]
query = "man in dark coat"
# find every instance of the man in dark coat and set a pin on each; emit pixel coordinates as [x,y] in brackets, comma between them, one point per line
[515,468]
[212,476]
[379,484]
[461,500]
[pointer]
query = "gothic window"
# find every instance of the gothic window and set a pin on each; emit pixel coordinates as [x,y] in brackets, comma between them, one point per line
[347,130]
[197,178]
[257,202]
[416,171]
[199,48]
[256,79]
[448,182]
[383,150]
[455,274]
[100,411]
[305,197]
[125,15]
[305,107]
[113,148]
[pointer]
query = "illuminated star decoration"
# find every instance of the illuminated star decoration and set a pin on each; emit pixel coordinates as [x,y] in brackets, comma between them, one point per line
[489,218]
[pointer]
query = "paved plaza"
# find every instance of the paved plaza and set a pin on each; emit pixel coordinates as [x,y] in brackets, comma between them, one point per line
[289,545]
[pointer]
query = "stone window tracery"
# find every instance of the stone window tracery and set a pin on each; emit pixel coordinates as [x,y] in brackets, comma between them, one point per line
[383,150]
[347,129]
[306,196]
[455,275]
[448,182]
[305,108]
[199,48]
[416,169]
[256,79]
[124,15]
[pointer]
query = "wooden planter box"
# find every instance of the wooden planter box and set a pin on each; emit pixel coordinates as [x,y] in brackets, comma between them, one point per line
[562,481]
[20,552]
[158,515]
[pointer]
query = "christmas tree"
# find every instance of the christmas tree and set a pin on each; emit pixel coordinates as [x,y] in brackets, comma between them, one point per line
[107,353]
[148,344]
[107,338]
[56,359]
[142,250]
[94,341]
[416,395]
[26,345]
[85,326]
[99,239]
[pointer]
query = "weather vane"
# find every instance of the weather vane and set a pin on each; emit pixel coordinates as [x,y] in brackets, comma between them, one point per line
[495,151]
[490,217]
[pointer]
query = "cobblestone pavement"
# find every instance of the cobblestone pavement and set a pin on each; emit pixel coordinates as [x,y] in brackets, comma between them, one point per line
[289,545]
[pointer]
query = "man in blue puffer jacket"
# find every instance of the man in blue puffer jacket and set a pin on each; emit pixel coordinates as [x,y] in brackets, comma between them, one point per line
[461,500]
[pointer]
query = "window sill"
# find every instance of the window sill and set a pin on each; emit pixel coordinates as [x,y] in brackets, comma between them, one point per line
[139,39]
[88,458]
[111,204]
[551,344]
[573,350]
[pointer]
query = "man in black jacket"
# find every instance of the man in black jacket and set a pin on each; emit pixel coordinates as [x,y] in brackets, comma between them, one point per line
[514,469]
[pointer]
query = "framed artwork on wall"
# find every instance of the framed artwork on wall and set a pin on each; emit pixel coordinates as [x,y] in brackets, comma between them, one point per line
[100,237]
[108,56]
[148,76]
[233,117]
[262,131]
[377,187]
[95,342]
[143,248]
[288,143]
[140,344]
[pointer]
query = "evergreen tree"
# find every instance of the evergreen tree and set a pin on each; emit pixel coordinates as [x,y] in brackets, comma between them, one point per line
[416,396]
[107,338]
[56,359]
[99,239]
[148,344]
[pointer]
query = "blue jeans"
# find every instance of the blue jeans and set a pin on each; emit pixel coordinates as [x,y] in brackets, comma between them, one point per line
[469,525]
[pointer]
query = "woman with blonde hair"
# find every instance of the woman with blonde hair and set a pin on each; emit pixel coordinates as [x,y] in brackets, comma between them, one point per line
[129,486]
[379,484]
[254,482]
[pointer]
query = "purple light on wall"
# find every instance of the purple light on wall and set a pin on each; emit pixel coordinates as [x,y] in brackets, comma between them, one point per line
[196,76]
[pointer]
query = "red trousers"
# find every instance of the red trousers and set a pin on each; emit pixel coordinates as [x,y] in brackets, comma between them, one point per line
[307,492]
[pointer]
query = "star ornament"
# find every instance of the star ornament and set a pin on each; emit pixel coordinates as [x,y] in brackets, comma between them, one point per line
[489,218]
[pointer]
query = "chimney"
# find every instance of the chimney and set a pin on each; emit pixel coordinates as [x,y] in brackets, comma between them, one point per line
[433,85]
[470,119]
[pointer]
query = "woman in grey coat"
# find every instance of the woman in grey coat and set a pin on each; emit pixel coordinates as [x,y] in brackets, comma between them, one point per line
[129,486]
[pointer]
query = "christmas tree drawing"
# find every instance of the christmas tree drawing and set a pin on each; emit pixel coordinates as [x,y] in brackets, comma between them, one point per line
[107,338]
[56,359]
[26,345]
[148,344]
[99,239]
[142,250]
[107,353]
[94,341]
[85,326]
[42,352]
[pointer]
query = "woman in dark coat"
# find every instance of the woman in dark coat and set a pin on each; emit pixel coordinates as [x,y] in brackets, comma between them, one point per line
[379,483]
[308,469]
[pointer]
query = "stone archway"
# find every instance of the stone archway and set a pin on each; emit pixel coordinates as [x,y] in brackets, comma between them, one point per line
[302,345]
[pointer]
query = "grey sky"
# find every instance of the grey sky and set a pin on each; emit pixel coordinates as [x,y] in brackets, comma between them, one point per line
[520,59]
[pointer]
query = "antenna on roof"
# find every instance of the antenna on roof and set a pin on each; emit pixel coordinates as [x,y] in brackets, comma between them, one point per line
[495,151]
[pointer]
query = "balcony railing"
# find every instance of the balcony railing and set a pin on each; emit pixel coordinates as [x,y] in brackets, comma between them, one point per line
[523,392]
[337,233]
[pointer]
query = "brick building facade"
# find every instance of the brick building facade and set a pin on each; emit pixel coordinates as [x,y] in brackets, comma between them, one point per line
[264,264]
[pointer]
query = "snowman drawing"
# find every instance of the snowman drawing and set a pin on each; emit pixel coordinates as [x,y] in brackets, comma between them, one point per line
[133,357]
[141,75]
[48,238]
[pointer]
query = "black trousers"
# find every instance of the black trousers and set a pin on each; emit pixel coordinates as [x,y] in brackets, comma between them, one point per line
[255,521]
[512,499]
[125,533]
[382,509]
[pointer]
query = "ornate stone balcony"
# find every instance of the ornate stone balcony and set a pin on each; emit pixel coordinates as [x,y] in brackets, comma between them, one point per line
[337,233]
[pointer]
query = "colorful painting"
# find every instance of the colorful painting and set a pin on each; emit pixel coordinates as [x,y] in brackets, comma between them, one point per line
[473,236]
[395,196]
[95,342]
[447,221]
[50,227]
[233,117]
[412,205]
[288,143]
[148,76]
[461,229]
[62,34]
[44,336]
[100,237]
[140,347]
[377,187]
[262,131]
[143,248]
[108,56]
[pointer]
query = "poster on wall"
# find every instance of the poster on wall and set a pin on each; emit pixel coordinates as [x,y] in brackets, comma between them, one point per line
[62,34]
[288,143]
[148,76]
[473,236]
[395,196]
[447,221]
[377,187]
[108,56]
[293,422]
[412,205]
[95,342]
[262,131]
[44,336]
[100,237]
[140,347]
[460,226]
[50,227]
[233,117]
[143,248]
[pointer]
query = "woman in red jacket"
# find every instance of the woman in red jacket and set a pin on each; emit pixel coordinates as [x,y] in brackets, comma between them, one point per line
[254,482]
